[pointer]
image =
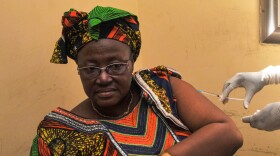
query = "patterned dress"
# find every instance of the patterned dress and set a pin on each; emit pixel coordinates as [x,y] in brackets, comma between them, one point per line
[151,127]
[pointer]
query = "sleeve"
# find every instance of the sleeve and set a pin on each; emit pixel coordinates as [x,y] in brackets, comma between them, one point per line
[34,148]
[39,148]
[271,74]
[158,91]
[161,75]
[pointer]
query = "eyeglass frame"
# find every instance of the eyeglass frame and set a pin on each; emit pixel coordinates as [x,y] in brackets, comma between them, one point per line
[105,68]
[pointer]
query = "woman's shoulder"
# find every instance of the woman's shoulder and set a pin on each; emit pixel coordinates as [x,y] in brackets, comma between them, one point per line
[61,129]
[60,118]
[158,90]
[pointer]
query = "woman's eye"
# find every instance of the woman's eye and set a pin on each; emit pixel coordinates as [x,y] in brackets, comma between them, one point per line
[92,70]
[115,66]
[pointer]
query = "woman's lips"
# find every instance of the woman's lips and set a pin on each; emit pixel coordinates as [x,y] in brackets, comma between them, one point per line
[105,93]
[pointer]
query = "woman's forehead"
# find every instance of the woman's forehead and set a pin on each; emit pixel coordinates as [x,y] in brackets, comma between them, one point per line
[104,50]
[106,45]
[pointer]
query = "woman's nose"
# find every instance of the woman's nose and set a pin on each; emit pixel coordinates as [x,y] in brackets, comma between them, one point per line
[103,77]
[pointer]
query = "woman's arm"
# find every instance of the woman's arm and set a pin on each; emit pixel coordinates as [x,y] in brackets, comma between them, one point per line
[214,133]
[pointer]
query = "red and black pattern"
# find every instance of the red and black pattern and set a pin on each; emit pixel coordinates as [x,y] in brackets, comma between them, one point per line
[77,31]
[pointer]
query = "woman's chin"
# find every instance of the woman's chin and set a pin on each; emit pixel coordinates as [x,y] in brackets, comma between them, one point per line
[106,103]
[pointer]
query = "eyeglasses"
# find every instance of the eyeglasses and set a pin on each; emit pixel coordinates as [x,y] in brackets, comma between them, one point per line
[111,69]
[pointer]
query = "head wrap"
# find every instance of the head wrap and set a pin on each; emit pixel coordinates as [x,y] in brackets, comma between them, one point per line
[79,28]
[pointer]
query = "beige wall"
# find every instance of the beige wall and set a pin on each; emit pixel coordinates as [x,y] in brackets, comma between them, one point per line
[207,41]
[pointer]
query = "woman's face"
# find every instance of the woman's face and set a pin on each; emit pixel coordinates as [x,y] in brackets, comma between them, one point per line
[104,89]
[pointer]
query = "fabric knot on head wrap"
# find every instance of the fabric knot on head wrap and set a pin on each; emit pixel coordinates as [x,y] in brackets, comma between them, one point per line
[79,28]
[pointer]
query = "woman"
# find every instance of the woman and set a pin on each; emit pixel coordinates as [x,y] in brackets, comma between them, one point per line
[150,112]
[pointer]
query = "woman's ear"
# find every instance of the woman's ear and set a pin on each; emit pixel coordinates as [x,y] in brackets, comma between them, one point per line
[132,62]
[132,66]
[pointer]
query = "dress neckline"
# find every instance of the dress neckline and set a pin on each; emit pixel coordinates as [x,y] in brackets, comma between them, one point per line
[67,113]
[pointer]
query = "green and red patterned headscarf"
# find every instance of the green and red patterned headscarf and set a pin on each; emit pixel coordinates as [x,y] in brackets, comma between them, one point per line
[79,28]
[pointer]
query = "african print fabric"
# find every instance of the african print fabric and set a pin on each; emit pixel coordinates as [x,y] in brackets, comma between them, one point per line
[80,28]
[148,130]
